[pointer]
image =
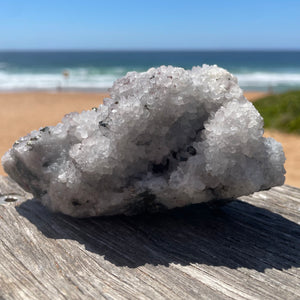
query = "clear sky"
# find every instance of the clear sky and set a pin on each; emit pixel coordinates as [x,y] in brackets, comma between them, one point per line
[149,24]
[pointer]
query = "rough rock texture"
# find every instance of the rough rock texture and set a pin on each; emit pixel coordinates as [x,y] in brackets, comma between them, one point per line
[168,137]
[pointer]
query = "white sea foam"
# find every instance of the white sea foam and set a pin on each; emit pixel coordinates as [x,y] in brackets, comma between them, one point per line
[77,79]
[82,78]
[262,79]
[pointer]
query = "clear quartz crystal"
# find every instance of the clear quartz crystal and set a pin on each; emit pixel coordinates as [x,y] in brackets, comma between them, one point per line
[166,138]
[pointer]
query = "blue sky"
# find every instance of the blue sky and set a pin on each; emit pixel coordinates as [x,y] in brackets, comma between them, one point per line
[150,24]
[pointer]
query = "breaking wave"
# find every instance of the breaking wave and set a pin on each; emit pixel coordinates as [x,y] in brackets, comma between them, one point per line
[264,79]
[76,79]
[91,79]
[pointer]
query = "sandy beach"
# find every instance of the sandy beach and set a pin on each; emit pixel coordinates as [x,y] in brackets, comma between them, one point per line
[23,112]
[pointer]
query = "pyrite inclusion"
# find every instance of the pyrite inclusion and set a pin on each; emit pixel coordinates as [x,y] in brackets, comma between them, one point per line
[168,137]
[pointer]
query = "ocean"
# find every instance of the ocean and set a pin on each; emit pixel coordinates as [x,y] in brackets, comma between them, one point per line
[96,70]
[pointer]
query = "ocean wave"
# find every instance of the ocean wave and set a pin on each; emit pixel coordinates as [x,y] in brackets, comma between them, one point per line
[264,79]
[74,80]
[90,78]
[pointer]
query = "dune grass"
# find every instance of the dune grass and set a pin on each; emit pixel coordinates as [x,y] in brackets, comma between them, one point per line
[281,111]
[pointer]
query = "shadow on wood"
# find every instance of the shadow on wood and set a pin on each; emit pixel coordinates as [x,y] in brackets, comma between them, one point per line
[239,235]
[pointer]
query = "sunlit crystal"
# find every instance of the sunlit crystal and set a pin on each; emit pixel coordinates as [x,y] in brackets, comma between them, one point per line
[166,138]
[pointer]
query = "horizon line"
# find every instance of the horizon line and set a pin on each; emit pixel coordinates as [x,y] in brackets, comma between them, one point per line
[152,50]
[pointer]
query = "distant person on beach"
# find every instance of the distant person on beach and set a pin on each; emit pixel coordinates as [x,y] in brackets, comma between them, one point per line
[66,74]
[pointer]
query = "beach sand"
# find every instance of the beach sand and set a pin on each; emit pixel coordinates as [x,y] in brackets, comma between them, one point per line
[23,112]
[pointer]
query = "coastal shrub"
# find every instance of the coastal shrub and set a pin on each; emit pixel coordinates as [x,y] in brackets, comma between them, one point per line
[281,111]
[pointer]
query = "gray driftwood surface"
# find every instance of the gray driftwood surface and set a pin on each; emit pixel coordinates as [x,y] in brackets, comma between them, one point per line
[248,249]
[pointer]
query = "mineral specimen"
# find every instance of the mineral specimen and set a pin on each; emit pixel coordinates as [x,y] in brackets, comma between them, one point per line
[168,137]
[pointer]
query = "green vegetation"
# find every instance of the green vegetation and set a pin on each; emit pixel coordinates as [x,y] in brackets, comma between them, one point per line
[281,112]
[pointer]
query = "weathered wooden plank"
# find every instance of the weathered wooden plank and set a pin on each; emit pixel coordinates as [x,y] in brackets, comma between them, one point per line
[248,249]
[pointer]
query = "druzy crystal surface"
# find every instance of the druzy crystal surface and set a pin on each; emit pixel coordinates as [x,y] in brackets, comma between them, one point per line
[166,138]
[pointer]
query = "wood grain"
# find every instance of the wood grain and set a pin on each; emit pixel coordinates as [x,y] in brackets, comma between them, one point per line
[248,249]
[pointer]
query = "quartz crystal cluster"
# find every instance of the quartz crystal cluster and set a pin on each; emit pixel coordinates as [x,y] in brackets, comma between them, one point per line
[166,138]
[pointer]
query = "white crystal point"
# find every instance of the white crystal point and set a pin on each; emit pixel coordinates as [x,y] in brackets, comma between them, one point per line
[168,137]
